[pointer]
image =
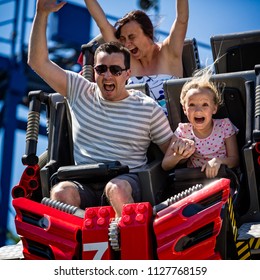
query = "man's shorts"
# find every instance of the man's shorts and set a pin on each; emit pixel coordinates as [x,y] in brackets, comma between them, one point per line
[92,194]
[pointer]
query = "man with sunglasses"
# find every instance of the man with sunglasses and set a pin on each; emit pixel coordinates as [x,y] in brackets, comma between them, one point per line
[109,123]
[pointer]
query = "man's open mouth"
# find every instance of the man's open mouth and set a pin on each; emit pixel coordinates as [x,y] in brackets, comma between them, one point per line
[109,86]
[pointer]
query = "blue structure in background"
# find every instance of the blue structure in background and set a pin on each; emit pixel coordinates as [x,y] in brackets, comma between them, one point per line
[17,79]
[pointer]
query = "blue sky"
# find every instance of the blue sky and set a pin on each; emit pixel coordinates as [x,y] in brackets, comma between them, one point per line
[207,18]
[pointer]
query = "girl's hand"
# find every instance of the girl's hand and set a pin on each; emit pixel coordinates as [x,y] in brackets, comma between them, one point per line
[183,147]
[211,167]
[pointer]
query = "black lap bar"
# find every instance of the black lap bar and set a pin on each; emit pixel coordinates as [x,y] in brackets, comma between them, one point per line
[186,174]
[87,171]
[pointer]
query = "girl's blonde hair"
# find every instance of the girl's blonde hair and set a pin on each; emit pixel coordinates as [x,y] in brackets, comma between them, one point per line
[200,80]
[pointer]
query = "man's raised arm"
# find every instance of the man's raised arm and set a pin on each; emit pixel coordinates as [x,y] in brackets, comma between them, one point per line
[38,55]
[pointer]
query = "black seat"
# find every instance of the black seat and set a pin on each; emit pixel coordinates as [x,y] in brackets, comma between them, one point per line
[190,57]
[232,86]
[236,52]
[58,164]
[237,107]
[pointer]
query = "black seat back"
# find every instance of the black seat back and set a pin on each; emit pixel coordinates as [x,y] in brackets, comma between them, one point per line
[236,52]
[60,160]
[190,57]
[232,86]
[237,106]
[60,144]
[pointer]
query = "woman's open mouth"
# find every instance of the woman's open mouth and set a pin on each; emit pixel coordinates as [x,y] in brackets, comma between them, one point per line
[134,51]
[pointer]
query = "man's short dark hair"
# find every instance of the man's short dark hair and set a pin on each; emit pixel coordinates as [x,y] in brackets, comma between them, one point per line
[114,47]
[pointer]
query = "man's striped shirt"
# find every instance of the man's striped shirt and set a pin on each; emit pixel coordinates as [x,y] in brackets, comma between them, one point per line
[113,130]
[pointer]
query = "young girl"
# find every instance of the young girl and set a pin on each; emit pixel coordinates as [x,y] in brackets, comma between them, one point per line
[205,142]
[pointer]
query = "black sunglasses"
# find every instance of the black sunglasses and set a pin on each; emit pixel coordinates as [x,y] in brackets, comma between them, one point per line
[115,70]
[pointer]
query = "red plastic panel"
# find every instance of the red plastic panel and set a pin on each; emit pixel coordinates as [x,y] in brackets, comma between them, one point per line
[29,182]
[136,232]
[47,233]
[95,233]
[188,228]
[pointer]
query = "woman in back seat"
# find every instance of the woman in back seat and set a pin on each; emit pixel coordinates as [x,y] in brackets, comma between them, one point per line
[151,62]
